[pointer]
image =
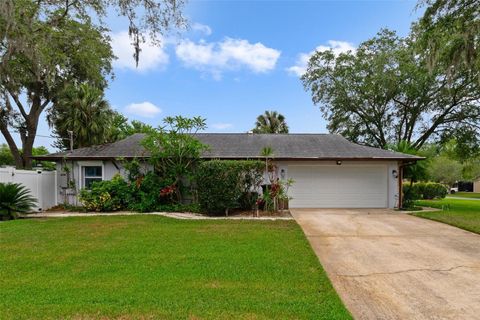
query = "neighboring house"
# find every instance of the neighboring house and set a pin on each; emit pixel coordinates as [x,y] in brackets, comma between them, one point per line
[476,185]
[328,170]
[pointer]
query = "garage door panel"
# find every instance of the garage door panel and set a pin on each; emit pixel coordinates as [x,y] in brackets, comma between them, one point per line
[338,186]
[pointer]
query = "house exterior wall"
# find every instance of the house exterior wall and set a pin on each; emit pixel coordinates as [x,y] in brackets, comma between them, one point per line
[476,186]
[67,195]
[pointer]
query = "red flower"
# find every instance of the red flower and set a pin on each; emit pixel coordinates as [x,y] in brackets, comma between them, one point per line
[167,191]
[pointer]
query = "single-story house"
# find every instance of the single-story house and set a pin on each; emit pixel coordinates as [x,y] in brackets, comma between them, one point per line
[328,170]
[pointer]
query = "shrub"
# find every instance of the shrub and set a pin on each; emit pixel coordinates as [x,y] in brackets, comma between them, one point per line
[175,150]
[108,195]
[410,194]
[422,190]
[431,190]
[148,193]
[14,198]
[143,194]
[228,184]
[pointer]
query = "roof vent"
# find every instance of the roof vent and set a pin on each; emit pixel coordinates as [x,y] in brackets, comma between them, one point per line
[250,133]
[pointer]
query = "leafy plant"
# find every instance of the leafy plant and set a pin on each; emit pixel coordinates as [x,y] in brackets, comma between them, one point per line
[276,197]
[422,190]
[146,193]
[282,195]
[221,184]
[174,149]
[430,190]
[133,169]
[14,198]
[108,195]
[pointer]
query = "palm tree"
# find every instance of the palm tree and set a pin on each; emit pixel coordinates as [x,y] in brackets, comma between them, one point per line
[266,152]
[413,172]
[270,122]
[15,198]
[84,111]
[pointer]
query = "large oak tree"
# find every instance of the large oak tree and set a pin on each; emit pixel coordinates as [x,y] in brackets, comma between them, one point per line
[46,45]
[385,93]
[449,33]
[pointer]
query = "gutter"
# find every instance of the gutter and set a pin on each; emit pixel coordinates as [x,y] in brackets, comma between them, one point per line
[408,160]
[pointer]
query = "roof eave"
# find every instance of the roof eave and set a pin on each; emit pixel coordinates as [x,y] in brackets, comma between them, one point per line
[66,157]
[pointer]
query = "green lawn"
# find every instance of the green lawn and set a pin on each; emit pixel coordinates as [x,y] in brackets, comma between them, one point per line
[150,267]
[464,214]
[474,195]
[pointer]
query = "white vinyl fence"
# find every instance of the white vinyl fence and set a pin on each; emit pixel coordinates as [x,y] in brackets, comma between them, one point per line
[42,184]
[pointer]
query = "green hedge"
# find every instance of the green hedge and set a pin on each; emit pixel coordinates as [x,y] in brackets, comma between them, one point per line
[228,184]
[431,190]
[422,190]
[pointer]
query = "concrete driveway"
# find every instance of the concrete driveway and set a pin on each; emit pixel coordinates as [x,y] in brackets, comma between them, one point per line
[389,265]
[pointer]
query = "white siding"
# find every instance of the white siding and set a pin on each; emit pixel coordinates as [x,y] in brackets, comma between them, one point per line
[324,184]
[66,195]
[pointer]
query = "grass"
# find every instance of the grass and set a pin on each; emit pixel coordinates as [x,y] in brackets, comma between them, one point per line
[460,213]
[150,267]
[472,195]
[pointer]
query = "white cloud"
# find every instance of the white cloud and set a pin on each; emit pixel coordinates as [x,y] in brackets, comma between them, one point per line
[143,109]
[202,28]
[151,56]
[222,126]
[229,54]
[337,47]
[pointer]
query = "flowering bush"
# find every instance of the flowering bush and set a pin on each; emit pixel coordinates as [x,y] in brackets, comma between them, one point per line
[106,195]
[275,197]
[144,194]
[168,191]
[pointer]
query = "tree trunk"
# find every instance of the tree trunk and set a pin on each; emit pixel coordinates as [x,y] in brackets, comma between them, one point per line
[23,159]
[28,148]
[13,147]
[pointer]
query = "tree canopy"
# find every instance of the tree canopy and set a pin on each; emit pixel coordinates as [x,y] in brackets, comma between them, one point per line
[175,150]
[122,128]
[46,45]
[385,93]
[271,122]
[449,33]
[84,111]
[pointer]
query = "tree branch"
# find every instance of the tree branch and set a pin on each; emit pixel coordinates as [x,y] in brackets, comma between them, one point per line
[18,103]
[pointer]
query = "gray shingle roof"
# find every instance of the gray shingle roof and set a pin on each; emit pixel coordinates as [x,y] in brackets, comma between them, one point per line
[243,145]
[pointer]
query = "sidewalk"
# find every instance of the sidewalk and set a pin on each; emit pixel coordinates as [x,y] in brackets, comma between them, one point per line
[175,215]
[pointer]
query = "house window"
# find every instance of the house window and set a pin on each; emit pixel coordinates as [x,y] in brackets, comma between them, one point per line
[91,174]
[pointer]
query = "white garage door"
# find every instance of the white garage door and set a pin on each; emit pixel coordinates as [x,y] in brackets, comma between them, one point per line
[338,186]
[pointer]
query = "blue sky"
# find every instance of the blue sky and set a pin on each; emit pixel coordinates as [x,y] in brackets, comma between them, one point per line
[241,58]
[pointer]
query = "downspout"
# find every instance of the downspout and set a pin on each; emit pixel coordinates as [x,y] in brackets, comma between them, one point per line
[400,185]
